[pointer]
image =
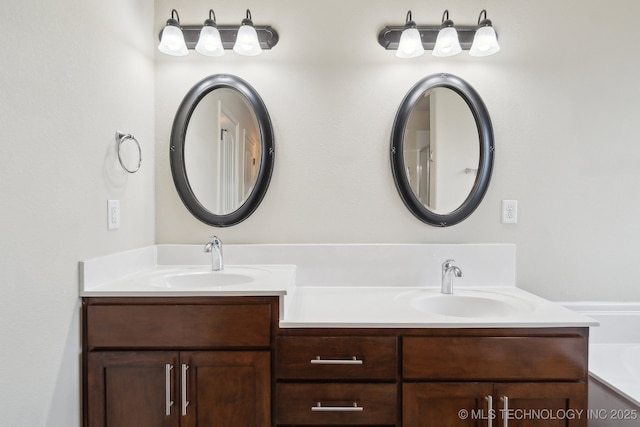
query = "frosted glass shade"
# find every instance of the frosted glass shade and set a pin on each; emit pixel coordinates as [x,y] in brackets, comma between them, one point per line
[485,42]
[209,42]
[172,41]
[447,43]
[410,45]
[247,42]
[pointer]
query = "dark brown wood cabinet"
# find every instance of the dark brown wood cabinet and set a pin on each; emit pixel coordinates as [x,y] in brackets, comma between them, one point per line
[178,362]
[433,377]
[187,389]
[441,403]
[518,378]
[460,404]
[224,361]
[129,388]
[337,380]
[543,404]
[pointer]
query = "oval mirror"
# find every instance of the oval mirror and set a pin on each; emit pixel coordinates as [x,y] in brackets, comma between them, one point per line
[442,150]
[222,150]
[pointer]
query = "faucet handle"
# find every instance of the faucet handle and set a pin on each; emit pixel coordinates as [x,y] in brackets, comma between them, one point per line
[448,263]
[217,243]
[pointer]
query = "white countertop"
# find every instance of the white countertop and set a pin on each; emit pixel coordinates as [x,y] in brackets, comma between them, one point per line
[149,283]
[378,283]
[390,307]
[345,306]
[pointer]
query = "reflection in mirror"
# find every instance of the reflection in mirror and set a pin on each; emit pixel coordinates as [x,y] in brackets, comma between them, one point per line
[441,150]
[221,151]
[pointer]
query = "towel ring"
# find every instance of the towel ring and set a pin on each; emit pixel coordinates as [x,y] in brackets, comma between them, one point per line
[121,138]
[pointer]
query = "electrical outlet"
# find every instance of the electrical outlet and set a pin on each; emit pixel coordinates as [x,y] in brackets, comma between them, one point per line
[113,214]
[509,211]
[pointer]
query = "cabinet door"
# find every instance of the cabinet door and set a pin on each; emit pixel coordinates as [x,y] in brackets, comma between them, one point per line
[226,388]
[541,404]
[132,389]
[446,404]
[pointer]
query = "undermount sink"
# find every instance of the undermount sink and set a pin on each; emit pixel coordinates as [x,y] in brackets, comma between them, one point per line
[467,303]
[200,279]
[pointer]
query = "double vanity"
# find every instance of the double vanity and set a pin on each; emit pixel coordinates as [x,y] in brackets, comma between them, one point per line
[327,335]
[292,335]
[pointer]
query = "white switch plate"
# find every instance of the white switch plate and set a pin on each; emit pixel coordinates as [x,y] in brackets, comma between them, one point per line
[113,214]
[509,211]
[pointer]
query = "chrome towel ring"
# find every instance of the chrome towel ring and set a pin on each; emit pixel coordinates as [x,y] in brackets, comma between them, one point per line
[120,139]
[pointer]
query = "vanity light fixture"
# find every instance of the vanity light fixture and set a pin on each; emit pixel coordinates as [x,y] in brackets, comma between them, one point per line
[410,45]
[445,39]
[247,43]
[171,39]
[245,39]
[447,43]
[485,42]
[209,42]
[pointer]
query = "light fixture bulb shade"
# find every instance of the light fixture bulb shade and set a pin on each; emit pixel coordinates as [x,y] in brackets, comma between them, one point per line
[172,41]
[209,42]
[447,43]
[410,45]
[247,42]
[485,42]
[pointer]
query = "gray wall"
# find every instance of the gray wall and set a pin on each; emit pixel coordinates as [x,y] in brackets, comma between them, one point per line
[72,74]
[561,94]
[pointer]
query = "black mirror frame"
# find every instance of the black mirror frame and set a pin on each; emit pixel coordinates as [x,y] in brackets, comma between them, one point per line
[487,149]
[176,155]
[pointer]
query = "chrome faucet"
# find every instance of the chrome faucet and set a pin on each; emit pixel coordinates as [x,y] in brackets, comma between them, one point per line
[215,247]
[451,270]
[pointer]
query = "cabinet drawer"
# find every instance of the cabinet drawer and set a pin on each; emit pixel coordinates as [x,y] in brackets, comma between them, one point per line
[178,326]
[312,358]
[336,404]
[495,358]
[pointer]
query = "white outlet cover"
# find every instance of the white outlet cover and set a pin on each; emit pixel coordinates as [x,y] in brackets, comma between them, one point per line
[113,214]
[509,211]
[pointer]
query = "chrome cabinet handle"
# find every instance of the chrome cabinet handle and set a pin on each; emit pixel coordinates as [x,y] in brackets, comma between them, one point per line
[185,402]
[353,361]
[505,409]
[489,400]
[168,403]
[320,408]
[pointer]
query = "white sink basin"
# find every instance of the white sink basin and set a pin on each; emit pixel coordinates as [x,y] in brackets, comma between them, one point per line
[201,279]
[467,303]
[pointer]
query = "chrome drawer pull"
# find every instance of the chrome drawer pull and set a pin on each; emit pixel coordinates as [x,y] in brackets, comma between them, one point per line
[185,402]
[353,361]
[489,400]
[505,416]
[168,403]
[320,408]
